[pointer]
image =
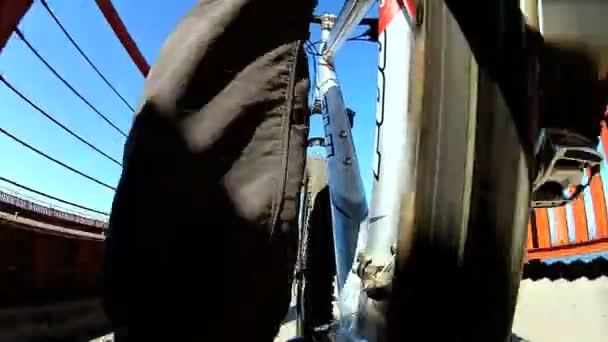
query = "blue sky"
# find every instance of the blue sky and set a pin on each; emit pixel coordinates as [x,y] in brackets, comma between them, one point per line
[149,22]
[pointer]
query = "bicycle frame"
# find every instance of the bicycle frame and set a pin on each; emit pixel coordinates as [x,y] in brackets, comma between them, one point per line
[475,153]
[363,237]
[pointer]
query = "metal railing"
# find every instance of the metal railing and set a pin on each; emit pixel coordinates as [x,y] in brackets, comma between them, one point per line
[47,209]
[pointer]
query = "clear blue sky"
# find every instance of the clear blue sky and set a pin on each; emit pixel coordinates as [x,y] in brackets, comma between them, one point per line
[149,22]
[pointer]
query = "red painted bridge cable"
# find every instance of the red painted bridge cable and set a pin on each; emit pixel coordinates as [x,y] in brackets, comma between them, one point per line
[54,160]
[112,17]
[67,84]
[86,58]
[56,122]
[40,193]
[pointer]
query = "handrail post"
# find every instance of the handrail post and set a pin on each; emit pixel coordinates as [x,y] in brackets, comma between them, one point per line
[111,15]
[11,13]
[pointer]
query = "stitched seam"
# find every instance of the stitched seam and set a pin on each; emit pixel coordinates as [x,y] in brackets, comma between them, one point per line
[279,199]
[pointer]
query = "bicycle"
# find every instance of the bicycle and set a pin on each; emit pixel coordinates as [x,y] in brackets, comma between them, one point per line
[452,188]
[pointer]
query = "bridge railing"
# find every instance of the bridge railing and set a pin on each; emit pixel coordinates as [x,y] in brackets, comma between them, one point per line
[47,209]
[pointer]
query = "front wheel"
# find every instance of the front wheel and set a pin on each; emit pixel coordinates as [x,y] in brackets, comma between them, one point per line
[462,227]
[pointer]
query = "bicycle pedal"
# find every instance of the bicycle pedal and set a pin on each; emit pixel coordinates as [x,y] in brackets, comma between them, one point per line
[562,158]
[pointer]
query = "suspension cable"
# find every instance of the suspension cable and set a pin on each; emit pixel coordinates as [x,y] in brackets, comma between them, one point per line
[56,161]
[69,37]
[67,84]
[56,122]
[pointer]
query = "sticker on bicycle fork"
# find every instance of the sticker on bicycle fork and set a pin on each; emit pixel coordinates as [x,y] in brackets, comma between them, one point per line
[390,8]
[329,141]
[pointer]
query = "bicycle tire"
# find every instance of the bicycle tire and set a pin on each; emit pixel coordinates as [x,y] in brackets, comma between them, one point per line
[462,228]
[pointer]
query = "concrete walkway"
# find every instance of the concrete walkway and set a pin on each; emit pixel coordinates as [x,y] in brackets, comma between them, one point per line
[547,311]
[563,311]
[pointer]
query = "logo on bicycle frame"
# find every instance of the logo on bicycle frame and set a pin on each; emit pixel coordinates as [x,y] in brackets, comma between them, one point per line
[380,103]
